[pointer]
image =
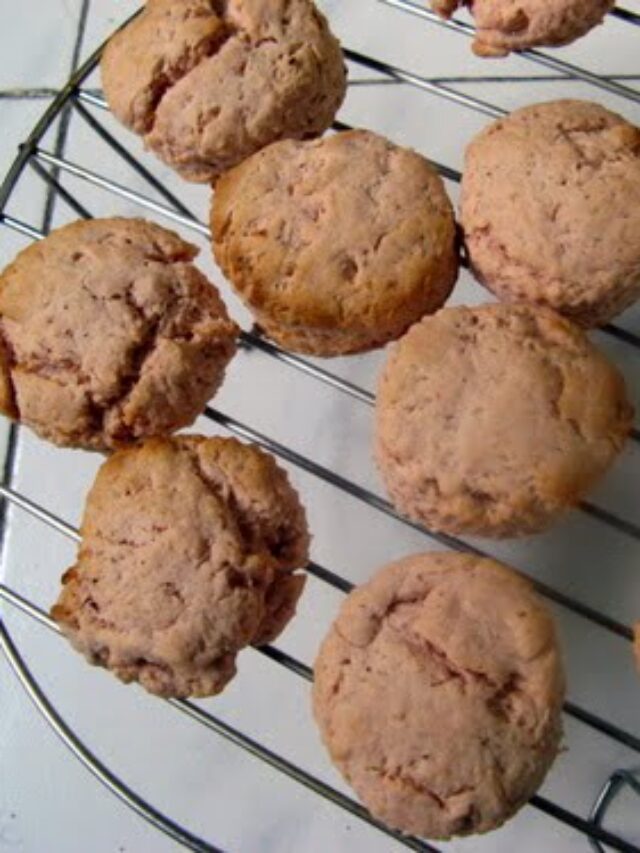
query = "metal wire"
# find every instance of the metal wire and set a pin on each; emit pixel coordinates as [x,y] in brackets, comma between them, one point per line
[250,339]
[593,831]
[613,786]
[592,720]
[42,162]
[570,71]
[87,758]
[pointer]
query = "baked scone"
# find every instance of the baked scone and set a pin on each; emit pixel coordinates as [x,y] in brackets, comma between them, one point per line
[108,333]
[208,82]
[493,420]
[506,25]
[336,245]
[188,552]
[438,693]
[550,209]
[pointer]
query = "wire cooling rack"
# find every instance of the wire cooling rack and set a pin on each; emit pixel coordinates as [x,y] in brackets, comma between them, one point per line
[75,185]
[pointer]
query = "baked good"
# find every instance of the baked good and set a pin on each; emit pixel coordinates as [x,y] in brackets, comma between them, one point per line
[336,245]
[438,693]
[493,420]
[187,556]
[550,209]
[208,82]
[505,25]
[108,333]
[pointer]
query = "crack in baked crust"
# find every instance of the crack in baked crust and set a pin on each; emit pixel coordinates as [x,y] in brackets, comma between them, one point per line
[107,333]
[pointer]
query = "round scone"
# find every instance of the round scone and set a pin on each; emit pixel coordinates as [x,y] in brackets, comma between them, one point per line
[108,333]
[438,693]
[493,420]
[336,245]
[188,552]
[208,82]
[550,209]
[505,25]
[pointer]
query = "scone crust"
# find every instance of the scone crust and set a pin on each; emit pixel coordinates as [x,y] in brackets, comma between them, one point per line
[493,420]
[438,693]
[503,26]
[550,209]
[188,552]
[109,333]
[208,83]
[336,245]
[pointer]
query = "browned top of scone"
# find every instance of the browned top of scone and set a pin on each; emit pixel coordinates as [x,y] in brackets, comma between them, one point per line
[503,26]
[208,82]
[188,551]
[349,234]
[491,420]
[438,693]
[109,333]
[551,208]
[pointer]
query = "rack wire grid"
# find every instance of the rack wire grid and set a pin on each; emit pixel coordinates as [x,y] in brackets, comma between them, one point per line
[210,766]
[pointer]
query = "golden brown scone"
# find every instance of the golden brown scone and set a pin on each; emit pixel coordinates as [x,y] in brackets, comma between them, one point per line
[506,25]
[208,82]
[494,420]
[188,552]
[109,334]
[336,245]
[438,693]
[550,209]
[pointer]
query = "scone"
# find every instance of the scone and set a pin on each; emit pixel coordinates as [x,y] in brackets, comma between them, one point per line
[550,209]
[505,25]
[494,420]
[336,245]
[208,83]
[188,552]
[108,333]
[438,693]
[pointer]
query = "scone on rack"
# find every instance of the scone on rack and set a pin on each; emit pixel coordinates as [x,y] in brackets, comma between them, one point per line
[505,25]
[550,209]
[208,82]
[336,245]
[438,693]
[188,554]
[109,333]
[494,420]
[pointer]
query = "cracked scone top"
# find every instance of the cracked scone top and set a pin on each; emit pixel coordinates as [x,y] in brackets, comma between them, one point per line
[336,245]
[208,82]
[438,692]
[188,552]
[550,209]
[506,25]
[493,420]
[108,333]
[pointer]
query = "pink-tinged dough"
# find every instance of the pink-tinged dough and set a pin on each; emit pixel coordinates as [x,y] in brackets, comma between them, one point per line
[338,244]
[109,333]
[188,554]
[495,420]
[506,25]
[550,209]
[208,82]
[438,693]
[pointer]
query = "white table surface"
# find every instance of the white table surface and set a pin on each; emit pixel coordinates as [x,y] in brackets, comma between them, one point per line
[48,802]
